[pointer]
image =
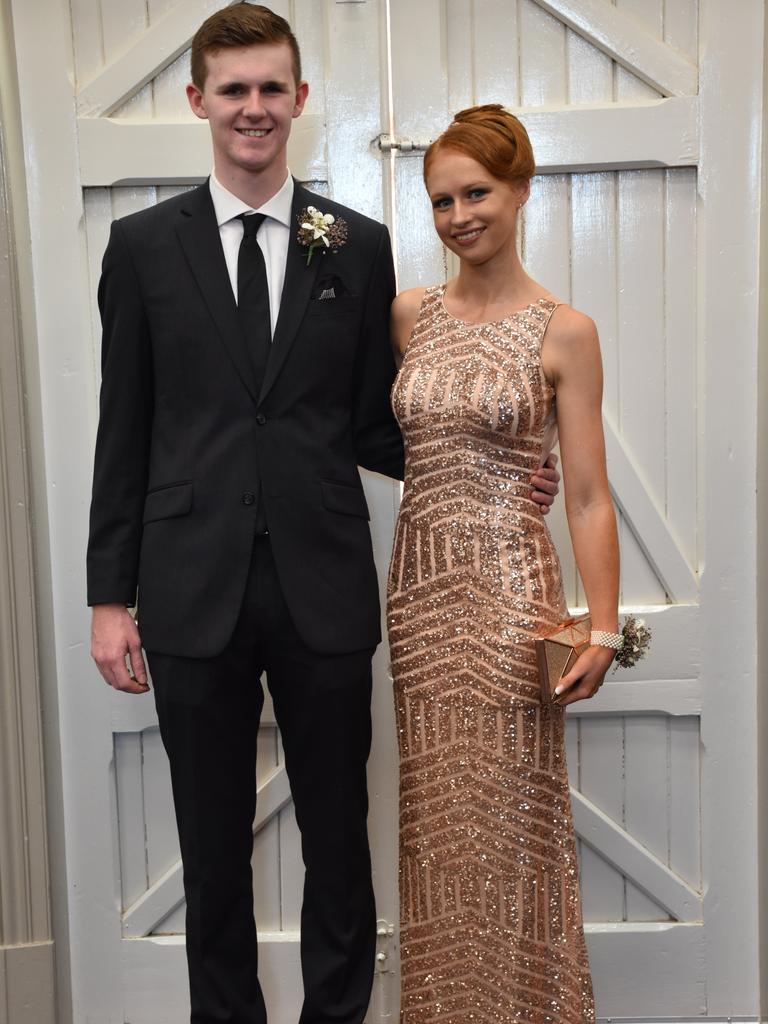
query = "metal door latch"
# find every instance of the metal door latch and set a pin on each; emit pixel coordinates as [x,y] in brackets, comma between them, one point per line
[386,143]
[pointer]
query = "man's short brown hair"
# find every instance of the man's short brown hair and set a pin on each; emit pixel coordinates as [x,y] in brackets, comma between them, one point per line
[241,24]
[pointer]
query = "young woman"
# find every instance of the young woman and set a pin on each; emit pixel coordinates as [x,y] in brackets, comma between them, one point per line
[490,909]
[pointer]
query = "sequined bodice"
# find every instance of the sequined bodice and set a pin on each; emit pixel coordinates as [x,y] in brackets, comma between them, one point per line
[476,393]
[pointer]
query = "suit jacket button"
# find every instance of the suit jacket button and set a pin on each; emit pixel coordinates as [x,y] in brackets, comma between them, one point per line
[261,419]
[248,497]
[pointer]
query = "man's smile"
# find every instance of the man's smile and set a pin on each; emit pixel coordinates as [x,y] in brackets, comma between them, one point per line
[254,133]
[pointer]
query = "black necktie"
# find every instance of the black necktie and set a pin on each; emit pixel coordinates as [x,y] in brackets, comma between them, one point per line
[253,295]
[253,311]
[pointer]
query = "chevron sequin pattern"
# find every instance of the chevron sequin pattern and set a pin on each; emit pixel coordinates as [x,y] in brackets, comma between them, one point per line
[491,929]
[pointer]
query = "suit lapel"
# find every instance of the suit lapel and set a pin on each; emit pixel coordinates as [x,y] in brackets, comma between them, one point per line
[297,289]
[198,234]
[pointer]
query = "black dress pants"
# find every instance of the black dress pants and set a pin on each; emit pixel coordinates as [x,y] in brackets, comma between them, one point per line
[209,713]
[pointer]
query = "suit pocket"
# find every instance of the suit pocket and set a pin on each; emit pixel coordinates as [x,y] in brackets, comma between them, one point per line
[334,307]
[168,501]
[348,501]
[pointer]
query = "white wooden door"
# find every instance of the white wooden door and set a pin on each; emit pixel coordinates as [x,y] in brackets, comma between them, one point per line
[645,215]
[126,139]
[618,224]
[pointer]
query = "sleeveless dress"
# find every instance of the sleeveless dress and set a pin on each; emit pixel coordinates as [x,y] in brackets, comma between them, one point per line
[491,927]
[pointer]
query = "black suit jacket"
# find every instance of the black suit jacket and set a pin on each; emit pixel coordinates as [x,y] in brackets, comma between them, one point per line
[185,437]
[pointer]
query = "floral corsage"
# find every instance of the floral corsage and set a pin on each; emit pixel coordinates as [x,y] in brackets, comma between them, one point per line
[321,231]
[637,640]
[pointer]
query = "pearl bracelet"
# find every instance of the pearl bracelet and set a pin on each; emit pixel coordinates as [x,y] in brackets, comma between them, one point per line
[598,638]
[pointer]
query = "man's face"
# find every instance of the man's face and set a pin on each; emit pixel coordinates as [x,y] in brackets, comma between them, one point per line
[249,99]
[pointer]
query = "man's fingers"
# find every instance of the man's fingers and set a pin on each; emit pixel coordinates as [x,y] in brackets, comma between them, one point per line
[123,680]
[551,461]
[138,667]
[546,481]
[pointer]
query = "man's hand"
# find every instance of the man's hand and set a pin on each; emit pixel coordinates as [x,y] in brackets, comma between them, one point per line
[114,635]
[544,483]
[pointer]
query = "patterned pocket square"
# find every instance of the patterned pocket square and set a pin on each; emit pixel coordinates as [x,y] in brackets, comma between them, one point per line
[329,287]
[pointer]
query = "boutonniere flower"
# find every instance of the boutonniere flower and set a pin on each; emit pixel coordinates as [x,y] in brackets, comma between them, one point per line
[321,231]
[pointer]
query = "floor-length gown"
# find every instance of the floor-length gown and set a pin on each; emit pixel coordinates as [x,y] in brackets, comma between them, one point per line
[491,927]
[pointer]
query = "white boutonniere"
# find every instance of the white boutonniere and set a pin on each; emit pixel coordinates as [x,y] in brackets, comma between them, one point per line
[323,231]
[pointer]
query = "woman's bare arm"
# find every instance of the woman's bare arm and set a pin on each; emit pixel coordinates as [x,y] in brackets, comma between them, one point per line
[571,360]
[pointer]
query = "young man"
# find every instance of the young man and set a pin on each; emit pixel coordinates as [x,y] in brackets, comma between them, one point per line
[242,387]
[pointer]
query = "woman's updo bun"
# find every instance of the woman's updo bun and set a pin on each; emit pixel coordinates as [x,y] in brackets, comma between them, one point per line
[493,137]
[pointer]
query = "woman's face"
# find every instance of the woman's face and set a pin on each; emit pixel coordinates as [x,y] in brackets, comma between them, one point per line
[475,214]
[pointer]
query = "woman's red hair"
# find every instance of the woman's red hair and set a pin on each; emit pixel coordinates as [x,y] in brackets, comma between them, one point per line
[493,137]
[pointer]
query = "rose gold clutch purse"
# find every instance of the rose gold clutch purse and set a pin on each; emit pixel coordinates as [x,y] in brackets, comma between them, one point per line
[558,649]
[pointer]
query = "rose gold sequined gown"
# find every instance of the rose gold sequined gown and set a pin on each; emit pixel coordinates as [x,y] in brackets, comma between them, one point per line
[491,926]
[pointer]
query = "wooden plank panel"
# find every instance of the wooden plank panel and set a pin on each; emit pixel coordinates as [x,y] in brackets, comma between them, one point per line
[657,970]
[135,54]
[158,989]
[662,561]
[460,54]
[97,209]
[266,843]
[175,923]
[157,8]
[311,29]
[87,40]
[291,870]
[355,106]
[420,259]
[419,86]
[681,24]
[685,799]
[641,321]
[589,72]
[542,57]
[682,357]
[675,697]
[169,99]
[648,13]
[641,355]
[129,200]
[624,39]
[602,782]
[496,39]
[645,801]
[634,860]
[159,819]
[124,152]
[130,816]
[658,133]
[122,25]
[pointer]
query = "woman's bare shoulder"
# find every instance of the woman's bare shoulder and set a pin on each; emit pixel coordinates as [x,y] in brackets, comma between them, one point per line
[570,341]
[405,312]
[570,323]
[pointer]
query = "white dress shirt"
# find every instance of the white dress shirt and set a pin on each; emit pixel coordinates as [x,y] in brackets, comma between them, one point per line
[273,236]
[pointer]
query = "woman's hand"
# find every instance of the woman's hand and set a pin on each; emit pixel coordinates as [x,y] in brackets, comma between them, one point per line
[586,677]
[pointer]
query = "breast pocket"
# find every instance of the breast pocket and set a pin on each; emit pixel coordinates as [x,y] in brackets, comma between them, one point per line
[344,306]
[168,501]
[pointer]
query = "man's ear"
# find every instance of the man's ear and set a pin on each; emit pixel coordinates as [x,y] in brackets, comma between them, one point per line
[196,101]
[302,91]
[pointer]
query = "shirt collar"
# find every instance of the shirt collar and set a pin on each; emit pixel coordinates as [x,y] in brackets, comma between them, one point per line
[227,206]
